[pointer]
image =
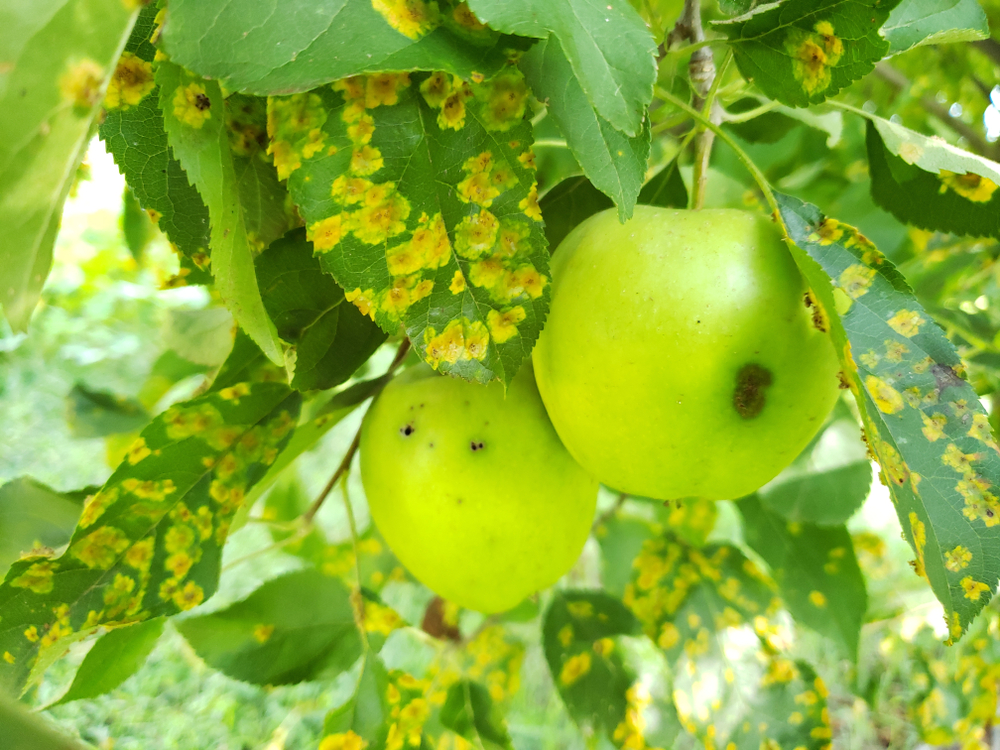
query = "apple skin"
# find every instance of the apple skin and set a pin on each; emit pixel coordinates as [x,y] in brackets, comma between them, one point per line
[651,326]
[473,491]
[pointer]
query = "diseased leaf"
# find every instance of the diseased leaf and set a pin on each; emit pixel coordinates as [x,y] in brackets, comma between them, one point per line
[801,52]
[585,660]
[331,339]
[787,708]
[30,512]
[194,118]
[57,60]
[923,422]
[293,628]
[299,45]
[916,22]
[828,482]
[816,571]
[99,413]
[567,204]
[419,195]
[607,44]
[614,162]
[132,130]
[115,657]
[469,712]
[150,541]
[931,184]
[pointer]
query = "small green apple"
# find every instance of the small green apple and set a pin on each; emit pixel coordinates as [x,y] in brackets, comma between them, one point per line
[471,489]
[682,355]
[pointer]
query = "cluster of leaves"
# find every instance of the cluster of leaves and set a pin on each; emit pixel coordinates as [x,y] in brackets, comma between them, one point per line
[335,191]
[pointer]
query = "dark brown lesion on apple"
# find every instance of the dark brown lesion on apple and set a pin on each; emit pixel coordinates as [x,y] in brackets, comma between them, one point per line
[750,394]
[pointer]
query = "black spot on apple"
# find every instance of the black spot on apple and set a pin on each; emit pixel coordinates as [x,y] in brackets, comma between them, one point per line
[750,394]
[407,430]
[477,445]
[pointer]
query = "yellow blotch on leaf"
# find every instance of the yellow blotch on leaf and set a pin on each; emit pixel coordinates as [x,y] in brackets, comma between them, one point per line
[101,548]
[504,99]
[37,578]
[813,54]
[604,646]
[970,185]
[384,88]
[435,89]
[404,292]
[477,188]
[529,204]
[262,633]
[856,280]
[189,597]
[906,323]
[326,233]
[366,160]
[817,599]
[886,398]
[343,741]
[382,215]
[486,273]
[575,668]
[958,558]
[466,18]
[8,657]
[457,285]
[131,81]
[933,428]
[192,105]
[827,232]
[350,190]
[982,431]
[973,589]
[475,235]
[428,248]
[669,636]
[580,610]
[80,85]
[565,635]
[460,340]
[503,325]
[362,300]
[411,18]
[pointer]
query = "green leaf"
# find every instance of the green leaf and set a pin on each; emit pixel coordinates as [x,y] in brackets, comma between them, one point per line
[293,628]
[923,422]
[32,514]
[607,44]
[150,542]
[801,52]
[828,482]
[133,132]
[816,571]
[787,708]
[614,162]
[916,22]
[567,204]
[447,240]
[665,188]
[113,659]
[246,363]
[366,714]
[469,712]
[578,635]
[137,227]
[57,58]
[331,339]
[99,413]
[297,45]
[25,730]
[194,117]
[931,184]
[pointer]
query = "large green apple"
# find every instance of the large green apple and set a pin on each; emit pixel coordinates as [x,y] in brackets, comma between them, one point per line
[682,355]
[473,491]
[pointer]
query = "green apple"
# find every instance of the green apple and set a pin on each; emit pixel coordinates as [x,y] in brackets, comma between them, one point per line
[471,489]
[683,355]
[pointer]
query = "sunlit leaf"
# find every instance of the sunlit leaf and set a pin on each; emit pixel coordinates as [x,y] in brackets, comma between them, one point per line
[916,22]
[58,56]
[923,422]
[99,413]
[32,513]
